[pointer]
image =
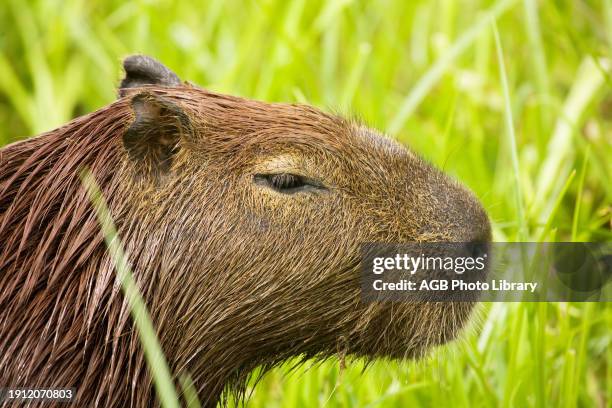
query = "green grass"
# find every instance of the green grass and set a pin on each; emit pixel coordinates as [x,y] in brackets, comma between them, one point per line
[524,118]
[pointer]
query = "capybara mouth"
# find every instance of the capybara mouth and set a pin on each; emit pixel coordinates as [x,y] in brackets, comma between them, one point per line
[407,330]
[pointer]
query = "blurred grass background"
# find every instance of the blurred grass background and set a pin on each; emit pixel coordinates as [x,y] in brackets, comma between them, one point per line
[514,98]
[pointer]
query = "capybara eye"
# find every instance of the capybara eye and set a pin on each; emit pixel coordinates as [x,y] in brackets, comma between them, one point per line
[286,182]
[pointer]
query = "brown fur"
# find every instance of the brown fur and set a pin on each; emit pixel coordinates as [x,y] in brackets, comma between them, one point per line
[235,275]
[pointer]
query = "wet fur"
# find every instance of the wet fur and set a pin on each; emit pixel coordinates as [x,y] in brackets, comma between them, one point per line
[235,276]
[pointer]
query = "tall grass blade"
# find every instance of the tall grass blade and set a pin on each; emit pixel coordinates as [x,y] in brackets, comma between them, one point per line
[433,75]
[189,391]
[560,152]
[576,216]
[518,198]
[534,35]
[160,371]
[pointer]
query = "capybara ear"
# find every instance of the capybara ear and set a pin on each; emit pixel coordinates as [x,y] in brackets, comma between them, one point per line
[154,137]
[141,70]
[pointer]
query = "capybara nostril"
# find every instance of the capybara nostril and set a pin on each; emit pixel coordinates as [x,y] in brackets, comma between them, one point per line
[479,245]
[477,249]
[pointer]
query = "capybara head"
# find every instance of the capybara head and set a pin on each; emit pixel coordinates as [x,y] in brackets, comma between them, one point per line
[242,222]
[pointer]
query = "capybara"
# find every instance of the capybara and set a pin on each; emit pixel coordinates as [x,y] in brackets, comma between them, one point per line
[242,222]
